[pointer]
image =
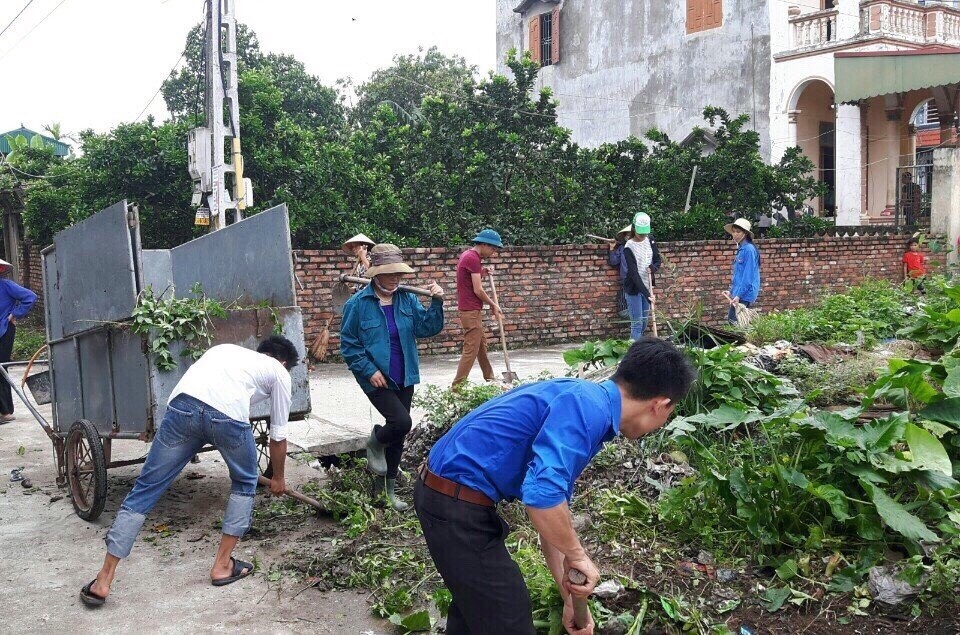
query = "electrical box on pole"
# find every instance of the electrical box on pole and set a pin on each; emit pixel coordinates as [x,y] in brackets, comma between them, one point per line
[211,162]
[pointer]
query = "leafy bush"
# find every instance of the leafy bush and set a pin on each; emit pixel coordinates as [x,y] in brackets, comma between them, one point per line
[592,355]
[871,310]
[936,323]
[726,379]
[800,227]
[796,479]
[832,382]
[29,338]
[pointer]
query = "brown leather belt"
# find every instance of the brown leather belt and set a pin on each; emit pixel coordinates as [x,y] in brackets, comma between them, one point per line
[453,489]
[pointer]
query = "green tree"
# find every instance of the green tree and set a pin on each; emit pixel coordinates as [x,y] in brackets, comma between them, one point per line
[410,78]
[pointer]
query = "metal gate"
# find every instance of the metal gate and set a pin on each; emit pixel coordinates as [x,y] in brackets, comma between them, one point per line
[914,192]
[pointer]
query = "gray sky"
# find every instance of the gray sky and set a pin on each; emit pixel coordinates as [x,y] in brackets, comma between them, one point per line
[96,63]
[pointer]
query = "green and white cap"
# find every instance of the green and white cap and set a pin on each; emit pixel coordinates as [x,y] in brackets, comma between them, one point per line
[641,223]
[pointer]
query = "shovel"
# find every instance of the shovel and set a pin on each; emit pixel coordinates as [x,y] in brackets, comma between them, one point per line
[508,376]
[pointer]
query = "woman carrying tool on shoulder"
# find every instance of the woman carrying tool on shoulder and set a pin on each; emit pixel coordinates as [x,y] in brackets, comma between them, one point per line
[378,340]
[745,284]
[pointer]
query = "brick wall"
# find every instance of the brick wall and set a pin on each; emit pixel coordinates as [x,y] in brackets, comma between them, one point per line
[31,274]
[564,293]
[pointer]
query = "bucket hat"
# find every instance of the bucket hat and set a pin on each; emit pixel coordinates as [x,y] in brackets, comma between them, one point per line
[740,223]
[641,223]
[359,238]
[488,237]
[387,258]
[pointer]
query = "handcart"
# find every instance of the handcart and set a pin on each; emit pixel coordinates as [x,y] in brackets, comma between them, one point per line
[101,378]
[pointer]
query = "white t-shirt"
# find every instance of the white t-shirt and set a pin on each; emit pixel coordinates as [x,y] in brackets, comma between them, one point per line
[643,253]
[231,378]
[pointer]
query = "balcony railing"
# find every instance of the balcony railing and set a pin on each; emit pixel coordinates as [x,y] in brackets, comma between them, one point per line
[814,29]
[930,23]
[922,22]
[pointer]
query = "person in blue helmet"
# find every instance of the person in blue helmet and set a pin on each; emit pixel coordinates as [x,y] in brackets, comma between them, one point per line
[470,301]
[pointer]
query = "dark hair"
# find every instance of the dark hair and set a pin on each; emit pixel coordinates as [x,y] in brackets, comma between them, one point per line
[280,348]
[912,241]
[654,367]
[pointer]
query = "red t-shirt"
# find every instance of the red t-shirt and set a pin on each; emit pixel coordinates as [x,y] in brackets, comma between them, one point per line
[468,264]
[915,263]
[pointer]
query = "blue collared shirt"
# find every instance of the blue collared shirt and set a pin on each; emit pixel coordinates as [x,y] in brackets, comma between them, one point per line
[746,273]
[532,442]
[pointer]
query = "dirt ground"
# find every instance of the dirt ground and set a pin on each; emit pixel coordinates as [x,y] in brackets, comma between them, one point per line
[49,553]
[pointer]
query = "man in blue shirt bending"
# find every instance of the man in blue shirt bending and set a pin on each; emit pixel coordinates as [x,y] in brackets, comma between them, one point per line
[531,444]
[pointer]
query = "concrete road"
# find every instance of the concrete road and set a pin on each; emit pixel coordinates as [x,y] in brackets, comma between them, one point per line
[343,414]
[49,553]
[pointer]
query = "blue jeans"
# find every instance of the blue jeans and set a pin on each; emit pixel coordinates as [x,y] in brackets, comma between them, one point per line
[639,308]
[188,425]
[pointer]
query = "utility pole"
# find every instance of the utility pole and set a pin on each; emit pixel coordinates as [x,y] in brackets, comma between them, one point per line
[209,160]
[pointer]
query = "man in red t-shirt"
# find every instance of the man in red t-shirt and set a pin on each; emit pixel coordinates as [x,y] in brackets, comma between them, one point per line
[914,262]
[470,300]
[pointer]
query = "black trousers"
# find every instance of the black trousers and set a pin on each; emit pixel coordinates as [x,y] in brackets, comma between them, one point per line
[466,543]
[6,350]
[394,405]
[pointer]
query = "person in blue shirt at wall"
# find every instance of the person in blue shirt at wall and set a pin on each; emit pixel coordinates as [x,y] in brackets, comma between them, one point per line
[745,285]
[378,340]
[15,302]
[531,444]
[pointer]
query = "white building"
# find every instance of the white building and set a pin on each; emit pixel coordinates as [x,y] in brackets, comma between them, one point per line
[621,67]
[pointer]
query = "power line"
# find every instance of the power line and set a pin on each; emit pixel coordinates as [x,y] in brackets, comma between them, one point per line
[25,7]
[160,88]
[27,34]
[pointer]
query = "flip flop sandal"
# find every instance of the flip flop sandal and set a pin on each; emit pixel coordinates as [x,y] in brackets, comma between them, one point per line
[238,567]
[90,598]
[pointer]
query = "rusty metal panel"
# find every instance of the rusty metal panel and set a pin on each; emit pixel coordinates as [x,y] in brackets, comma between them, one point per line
[96,270]
[133,407]
[249,261]
[51,295]
[95,380]
[67,387]
[158,272]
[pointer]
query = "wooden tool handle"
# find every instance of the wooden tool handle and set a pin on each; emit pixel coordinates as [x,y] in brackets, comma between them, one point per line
[581,612]
[354,279]
[503,335]
[306,500]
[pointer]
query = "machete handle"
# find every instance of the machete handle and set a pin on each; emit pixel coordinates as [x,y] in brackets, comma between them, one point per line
[581,612]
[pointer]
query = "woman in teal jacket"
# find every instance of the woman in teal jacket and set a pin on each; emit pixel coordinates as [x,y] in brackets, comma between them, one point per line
[378,340]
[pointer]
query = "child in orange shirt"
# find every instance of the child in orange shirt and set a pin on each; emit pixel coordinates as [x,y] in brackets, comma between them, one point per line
[914,262]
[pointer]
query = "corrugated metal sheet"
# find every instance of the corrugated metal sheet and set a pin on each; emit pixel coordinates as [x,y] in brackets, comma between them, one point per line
[860,76]
[60,148]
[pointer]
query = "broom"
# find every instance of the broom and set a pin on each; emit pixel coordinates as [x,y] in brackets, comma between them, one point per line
[318,349]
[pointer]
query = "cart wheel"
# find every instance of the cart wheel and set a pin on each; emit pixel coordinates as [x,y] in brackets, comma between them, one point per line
[261,436]
[86,470]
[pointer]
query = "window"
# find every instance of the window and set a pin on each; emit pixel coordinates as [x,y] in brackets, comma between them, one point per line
[703,15]
[545,38]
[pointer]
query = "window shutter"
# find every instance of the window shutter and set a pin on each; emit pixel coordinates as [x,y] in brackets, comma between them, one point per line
[555,35]
[535,39]
[694,16]
[716,13]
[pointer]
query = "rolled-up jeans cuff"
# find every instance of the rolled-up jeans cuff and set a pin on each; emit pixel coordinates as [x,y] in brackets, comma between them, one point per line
[123,532]
[236,520]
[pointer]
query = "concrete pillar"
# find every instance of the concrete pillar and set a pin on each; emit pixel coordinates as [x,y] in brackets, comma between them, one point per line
[945,203]
[849,165]
[892,135]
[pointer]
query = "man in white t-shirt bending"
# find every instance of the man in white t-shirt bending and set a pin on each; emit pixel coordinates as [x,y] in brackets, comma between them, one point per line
[210,405]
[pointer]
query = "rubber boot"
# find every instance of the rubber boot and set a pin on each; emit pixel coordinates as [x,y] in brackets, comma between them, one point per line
[376,492]
[376,458]
[395,502]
